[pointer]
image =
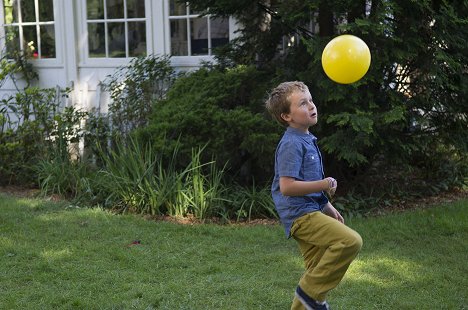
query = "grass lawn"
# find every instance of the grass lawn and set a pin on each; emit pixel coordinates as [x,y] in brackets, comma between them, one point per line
[56,256]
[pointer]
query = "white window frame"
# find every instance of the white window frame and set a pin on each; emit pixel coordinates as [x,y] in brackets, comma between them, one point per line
[189,60]
[42,62]
[151,13]
[70,16]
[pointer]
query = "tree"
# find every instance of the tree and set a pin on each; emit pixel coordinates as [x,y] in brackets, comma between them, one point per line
[409,109]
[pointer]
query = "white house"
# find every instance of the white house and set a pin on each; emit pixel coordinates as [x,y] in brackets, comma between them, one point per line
[77,43]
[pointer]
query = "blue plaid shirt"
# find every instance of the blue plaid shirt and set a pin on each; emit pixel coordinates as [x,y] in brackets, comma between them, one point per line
[297,156]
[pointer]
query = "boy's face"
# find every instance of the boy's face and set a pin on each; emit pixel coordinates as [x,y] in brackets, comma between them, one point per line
[302,111]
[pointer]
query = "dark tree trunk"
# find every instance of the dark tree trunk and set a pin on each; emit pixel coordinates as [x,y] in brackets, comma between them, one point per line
[326,24]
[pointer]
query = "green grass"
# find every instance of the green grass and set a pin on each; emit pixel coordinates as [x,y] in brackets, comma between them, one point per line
[56,256]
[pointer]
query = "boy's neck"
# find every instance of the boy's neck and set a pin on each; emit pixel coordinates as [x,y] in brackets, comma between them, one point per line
[300,130]
[303,130]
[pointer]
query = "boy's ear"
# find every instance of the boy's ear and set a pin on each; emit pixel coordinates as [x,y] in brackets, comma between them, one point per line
[286,117]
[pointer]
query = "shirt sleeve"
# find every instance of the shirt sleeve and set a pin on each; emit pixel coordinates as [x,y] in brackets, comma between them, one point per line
[289,159]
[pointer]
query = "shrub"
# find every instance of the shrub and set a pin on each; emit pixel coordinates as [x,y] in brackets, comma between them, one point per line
[411,101]
[222,109]
[33,124]
[134,87]
[134,178]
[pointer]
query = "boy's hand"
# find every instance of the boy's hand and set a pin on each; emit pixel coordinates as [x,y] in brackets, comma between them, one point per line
[332,185]
[332,212]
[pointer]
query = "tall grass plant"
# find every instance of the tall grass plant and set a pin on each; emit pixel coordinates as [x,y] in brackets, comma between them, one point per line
[138,180]
[203,192]
[252,202]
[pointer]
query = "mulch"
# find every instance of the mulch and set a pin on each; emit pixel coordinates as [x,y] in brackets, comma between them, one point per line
[18,191]
[423,202]
[400,206]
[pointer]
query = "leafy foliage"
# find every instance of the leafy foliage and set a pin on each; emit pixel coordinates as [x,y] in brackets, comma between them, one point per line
[137,179]
[32,127]
[400,129]
[61,176]
[202,193]
[134,87]
[222,109]
[250,202]
[408,110]
[14,66]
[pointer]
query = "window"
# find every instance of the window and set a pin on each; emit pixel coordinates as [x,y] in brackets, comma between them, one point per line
[192,35]
[116,28]
[30,27]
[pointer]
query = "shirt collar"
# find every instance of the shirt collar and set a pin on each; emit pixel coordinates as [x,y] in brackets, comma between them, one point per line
[294,131]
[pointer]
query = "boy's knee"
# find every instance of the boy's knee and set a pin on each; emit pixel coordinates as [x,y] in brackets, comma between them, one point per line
[355,242]
[358,242]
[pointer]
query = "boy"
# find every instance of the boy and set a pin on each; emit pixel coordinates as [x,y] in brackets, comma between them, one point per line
[327,245]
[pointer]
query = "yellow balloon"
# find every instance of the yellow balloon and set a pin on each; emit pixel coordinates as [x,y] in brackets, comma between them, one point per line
[346,59]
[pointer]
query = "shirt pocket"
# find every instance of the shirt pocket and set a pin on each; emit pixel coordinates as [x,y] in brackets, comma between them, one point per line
[312,167]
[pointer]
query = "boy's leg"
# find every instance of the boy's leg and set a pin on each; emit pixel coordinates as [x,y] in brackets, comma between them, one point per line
[297,305]
[328,248]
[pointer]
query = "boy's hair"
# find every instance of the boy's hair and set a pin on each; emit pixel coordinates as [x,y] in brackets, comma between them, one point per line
[278,100]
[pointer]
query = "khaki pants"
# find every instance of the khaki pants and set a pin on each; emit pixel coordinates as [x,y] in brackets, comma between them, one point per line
[328,248]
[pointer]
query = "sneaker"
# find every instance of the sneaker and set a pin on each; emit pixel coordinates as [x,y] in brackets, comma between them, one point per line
[310,303]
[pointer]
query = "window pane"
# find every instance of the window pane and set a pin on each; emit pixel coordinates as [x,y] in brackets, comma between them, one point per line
[96,40]
[10,11]
[115,9]
[137,39]
[219,31]
[30,41]
[95,9]
[176,8]
[179,37]
[46,10]
[28,13]
[199,36]
[135,8]
[47,41]
[12,38]
[116,39]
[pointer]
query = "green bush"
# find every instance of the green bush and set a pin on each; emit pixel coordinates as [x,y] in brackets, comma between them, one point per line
[222,109]
[410,103]
[135,178]
[37,133]
[134,87]
[32,125]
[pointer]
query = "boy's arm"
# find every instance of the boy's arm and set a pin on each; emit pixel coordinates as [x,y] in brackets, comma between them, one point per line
[291,187]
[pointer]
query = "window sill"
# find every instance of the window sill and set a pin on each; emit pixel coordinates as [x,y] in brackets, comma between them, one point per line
[46,63]
[190,61]
[104,62]
[176,61]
